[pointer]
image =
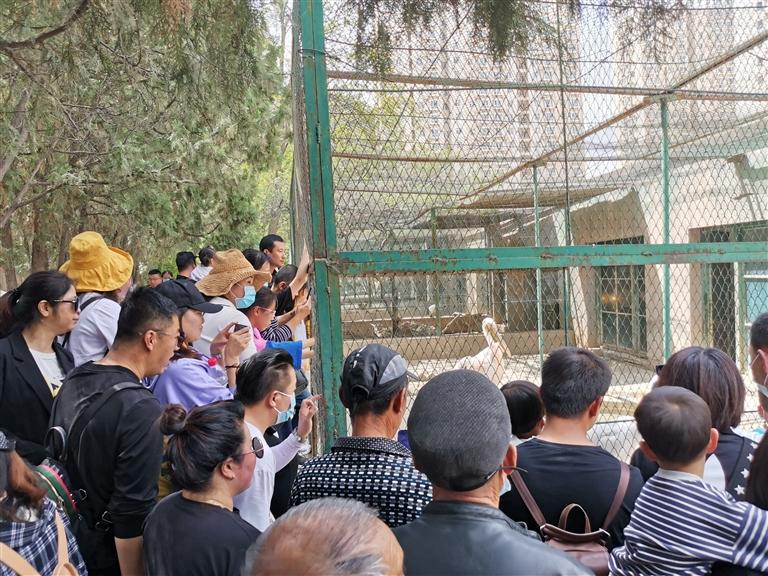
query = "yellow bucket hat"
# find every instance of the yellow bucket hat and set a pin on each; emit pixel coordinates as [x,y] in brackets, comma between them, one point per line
[228,268]
[95,267]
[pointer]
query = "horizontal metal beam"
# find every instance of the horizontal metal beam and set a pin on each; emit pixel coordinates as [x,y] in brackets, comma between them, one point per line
[472,83]
[517,258]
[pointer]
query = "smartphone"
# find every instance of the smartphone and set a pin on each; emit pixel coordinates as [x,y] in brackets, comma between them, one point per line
[239,327]
[309,292]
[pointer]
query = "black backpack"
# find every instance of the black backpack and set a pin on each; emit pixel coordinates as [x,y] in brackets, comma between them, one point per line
[59,470]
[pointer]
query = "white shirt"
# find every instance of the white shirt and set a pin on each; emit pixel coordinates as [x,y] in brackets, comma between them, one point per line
[254,503]
[200,272]
[95,331]
[214,323]
[49,368]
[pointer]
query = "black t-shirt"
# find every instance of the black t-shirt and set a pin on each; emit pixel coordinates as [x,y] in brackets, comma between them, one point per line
[120,451]
[284,302]
[560,474]
[187,538]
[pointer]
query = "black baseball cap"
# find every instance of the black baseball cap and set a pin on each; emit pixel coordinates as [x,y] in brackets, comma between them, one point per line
[373,371]
[185,294]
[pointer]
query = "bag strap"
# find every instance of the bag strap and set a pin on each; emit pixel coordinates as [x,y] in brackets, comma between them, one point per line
[16,562]
[566,513]
[64,566]
[84,416]
[618,498]
[527,498]
[61,541]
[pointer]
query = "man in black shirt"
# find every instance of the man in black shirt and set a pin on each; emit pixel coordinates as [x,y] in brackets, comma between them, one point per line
[562,465]
[117,459]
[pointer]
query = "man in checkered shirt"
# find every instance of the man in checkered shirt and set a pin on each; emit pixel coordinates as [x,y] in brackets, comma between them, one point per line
[369,466]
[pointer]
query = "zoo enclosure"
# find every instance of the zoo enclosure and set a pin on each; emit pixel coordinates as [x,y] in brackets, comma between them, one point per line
[606,188]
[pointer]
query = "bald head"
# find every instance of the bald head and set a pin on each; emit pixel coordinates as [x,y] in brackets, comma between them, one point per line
[300,542]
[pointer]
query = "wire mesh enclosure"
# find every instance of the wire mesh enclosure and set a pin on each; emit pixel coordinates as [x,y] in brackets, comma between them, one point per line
[605,188]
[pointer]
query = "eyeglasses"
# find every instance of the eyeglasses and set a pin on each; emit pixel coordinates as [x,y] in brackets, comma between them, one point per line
[258,448]
[74,302]
[179,337]
[270,310]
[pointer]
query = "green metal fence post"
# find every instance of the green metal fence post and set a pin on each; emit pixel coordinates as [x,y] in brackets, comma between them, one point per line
[328,334]
[537,238]
[666,313]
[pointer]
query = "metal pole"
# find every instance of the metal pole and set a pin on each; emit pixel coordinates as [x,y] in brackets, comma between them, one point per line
[667,335]
[327,298]
[537,238]
[435,277]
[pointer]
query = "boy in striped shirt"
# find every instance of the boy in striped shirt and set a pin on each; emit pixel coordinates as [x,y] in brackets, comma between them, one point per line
[680,524]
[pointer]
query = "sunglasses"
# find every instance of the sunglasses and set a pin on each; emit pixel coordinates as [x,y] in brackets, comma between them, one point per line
[258,448]
[74,302]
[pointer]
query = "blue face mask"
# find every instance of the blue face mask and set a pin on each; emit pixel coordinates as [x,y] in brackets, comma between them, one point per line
[285,415]
[247,299]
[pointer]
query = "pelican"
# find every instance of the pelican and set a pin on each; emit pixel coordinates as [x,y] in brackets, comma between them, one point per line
[490,360]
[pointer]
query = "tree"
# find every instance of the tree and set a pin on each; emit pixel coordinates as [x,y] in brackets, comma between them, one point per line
[150,121]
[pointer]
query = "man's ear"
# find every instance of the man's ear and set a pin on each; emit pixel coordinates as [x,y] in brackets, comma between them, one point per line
[149,339]
[510,458]
[399,401]
[714,438]
[594,408]
[645,449]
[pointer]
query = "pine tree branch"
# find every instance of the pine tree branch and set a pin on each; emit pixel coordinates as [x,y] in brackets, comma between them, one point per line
[6,45]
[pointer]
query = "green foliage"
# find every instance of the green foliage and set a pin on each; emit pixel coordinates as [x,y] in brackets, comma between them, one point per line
[503,27]
[151,121]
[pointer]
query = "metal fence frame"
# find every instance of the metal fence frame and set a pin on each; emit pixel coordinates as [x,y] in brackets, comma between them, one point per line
[331,264]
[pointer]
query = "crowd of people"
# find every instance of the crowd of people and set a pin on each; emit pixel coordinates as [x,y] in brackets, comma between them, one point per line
[163,430]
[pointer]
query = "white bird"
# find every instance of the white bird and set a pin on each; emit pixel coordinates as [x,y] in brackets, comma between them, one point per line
[490,360]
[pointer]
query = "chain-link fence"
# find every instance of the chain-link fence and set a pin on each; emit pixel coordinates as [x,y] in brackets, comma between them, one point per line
[607,189]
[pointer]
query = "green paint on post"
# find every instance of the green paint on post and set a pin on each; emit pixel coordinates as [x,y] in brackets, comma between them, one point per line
[327,310]
[546,257]
[667,302]
[537,238]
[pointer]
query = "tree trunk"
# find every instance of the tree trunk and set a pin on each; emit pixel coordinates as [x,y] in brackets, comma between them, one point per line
[6,241]
[39,252]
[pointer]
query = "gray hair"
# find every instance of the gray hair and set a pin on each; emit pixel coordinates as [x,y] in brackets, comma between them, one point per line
[302,535]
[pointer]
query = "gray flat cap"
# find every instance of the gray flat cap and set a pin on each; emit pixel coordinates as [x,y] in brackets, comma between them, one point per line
[459,429]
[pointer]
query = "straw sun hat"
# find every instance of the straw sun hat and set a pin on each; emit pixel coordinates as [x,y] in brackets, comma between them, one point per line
[229,268]
[95,267]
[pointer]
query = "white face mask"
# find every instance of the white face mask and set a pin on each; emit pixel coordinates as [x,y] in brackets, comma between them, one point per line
[506,487]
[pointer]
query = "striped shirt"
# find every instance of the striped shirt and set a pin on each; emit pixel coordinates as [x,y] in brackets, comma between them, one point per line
[681,525]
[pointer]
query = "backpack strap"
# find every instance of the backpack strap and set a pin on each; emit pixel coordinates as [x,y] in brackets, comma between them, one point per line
[74,437]
[527,498]
[618,498]
[83,306]
[16,562]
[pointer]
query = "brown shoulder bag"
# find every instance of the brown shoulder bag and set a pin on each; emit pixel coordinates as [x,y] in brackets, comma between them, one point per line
[590,547]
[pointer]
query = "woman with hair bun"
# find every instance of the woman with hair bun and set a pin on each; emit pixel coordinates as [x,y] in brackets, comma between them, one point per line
[32,363]
[197,531]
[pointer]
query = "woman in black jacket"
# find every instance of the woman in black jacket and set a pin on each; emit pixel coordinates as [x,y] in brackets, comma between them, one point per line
[712,374]
[32,364]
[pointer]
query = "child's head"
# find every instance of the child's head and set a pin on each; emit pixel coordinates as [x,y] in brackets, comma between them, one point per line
[526,410]
[676,426]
